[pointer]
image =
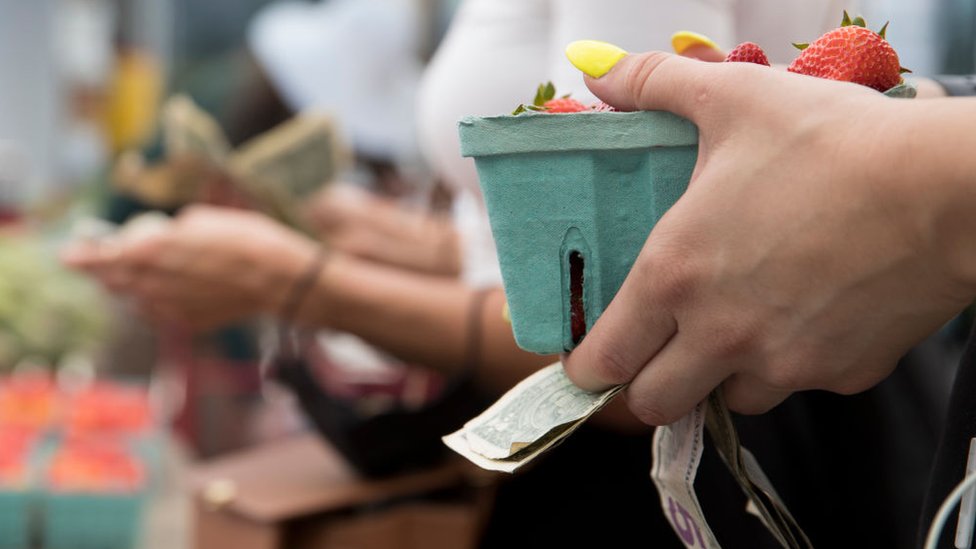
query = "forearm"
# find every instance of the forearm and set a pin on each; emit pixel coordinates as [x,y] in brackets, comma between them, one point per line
[935,163]
[418,318]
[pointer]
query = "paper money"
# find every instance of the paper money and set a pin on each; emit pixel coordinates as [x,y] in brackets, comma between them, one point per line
[189,130]
[276,170]
[677,451]
[763,499]
[282,167]
[532,417]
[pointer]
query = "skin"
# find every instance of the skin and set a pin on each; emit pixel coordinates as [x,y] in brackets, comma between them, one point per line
[389,279]
[251,263]
[373,227]
[825,231]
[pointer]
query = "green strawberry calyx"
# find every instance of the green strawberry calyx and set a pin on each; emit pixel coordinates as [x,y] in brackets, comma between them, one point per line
[545,92]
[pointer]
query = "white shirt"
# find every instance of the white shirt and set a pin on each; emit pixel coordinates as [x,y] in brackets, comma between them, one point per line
[497,52]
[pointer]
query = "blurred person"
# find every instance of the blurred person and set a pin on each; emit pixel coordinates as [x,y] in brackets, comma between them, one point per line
[214,266]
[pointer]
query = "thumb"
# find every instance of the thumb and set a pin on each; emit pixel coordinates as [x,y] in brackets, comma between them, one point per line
[646,81]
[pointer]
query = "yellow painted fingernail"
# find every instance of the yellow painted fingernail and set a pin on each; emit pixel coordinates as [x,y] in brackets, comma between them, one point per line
[682,40]
[594,57]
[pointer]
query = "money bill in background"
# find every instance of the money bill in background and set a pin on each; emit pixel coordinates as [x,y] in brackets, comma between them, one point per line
[189,130]
[276,170]
[282,167]
[532,417]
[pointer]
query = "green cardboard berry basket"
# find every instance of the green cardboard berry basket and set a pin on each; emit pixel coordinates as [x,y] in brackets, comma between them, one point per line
[71,519]
[571,198]
[16,510]
[81,520]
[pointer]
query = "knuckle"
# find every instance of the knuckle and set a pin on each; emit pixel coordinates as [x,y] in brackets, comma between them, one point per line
[673,280]
[733,340]
[851,383]
[610,365]
[649,410]
[744,403]
[790,376]
[638,79]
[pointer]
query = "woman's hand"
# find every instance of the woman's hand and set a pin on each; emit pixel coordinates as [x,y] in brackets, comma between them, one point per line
[209,267]
[826,230]
[371,227]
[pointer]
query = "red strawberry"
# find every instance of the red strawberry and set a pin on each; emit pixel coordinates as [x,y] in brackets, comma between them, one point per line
[747,52]
[563,105]
[851,53]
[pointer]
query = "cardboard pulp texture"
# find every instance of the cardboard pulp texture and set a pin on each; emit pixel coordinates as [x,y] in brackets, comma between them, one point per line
[15,513]
[91,521]
[582,185]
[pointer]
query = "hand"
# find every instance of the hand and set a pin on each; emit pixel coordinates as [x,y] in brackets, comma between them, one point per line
[210,267]
[358,223]
[816,243]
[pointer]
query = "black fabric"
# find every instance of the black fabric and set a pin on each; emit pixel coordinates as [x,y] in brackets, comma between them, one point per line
[594,490]
[950,460]
[852,469]
[383,444]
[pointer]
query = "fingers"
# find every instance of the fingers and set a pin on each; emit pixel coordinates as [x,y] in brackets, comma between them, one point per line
[674,381]
[696,46]
[702,52]
[631,331]
[749,394]
[655,81]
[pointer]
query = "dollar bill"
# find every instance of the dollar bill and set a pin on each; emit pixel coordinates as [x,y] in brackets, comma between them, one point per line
[745,469]
[677,452]
[190,130]
[276,170]
[282,167]
[532,417]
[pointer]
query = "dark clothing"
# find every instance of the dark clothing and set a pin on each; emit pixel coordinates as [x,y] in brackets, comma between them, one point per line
[950,460]
[852,469]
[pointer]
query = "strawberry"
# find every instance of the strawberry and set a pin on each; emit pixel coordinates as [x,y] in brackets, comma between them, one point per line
[851,53]
[747,52]
[546,101]
[563,105]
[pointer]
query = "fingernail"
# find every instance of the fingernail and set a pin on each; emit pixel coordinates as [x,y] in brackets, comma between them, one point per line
[593,57]
[682,40]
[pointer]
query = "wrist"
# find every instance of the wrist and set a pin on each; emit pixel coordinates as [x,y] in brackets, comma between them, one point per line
[284,267]
[935,162]
[323,305]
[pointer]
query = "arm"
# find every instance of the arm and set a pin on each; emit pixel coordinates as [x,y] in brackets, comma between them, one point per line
[825,231]
[359,223]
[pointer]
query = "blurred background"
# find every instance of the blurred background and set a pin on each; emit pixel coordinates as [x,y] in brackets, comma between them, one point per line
[84,88]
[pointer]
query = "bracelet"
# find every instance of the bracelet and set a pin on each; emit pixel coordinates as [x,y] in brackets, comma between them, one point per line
[296,296]
[472,352]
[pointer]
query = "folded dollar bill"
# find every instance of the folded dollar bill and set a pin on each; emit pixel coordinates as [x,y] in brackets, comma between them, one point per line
[276,170]
[532,417]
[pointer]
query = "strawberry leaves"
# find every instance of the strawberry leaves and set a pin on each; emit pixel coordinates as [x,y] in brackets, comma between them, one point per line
[543,93]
